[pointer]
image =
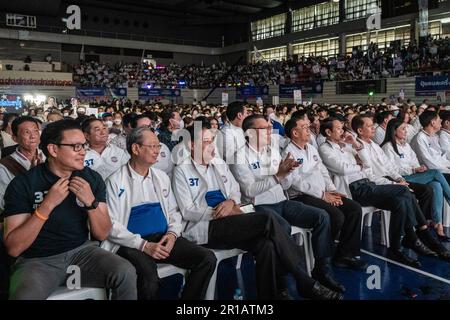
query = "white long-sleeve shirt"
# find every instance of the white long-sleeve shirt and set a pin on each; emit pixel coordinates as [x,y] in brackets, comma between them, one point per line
[311,177]
[343,167]
[374,157]
[256,176]
[125,189]
[444,141]
[429,152]
[406,161]
[191,182]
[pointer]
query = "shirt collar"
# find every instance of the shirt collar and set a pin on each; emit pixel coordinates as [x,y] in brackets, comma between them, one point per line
[136,176]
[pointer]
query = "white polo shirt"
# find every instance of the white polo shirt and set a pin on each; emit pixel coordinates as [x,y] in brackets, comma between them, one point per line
[111,159]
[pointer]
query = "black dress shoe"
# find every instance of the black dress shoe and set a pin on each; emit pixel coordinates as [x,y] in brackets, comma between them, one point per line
[443,238]
[444,255]
[399,256]
[327,280]
[350,263]
[320,292]
[420,248]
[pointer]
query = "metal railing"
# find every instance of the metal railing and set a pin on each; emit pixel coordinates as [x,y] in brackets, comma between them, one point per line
[118,35]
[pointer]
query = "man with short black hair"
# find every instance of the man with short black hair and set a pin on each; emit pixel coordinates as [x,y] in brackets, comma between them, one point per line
[147,222]
[101,156]
[49,212]
[171,122]
[426,144]
[444,134]
[232,139]
[25,131]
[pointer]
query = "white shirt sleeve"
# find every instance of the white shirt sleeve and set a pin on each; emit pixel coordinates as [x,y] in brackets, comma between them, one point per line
[249,186]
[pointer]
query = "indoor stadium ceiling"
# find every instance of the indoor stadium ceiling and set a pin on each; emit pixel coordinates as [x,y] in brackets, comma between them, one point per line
[188,8]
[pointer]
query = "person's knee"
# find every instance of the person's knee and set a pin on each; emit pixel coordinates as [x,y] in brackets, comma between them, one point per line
[123,269]
[26,291]
[209,259]
[323,217]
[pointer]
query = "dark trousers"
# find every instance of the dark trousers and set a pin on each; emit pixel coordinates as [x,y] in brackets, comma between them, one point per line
[424,194]
[200,261]
[304,216]
[274,250]
[345,223]
[4,272]
[395,198]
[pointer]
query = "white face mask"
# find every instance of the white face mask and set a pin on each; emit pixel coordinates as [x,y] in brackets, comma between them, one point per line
[65,114]
[109,124]
[118,121]
[1,123]
[181,124]
[272,116]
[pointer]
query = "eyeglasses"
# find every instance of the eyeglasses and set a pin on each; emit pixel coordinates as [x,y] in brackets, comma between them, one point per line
[76,146]
[151,146]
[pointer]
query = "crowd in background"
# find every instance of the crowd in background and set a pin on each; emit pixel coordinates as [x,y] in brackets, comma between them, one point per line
[373,63]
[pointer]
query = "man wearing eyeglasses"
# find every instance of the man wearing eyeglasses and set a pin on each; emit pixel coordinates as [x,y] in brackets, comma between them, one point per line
[50,211]
[101,156]
[210,198]
[147,223]
[262,179]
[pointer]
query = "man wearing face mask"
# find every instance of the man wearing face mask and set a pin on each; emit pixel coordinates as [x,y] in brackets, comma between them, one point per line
[171,122]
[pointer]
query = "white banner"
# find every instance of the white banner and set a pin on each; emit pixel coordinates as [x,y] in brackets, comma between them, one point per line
[275,100]
[297,96]
[225,98]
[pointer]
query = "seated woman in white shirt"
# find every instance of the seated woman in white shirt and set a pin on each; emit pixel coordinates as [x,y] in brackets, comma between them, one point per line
[402,155]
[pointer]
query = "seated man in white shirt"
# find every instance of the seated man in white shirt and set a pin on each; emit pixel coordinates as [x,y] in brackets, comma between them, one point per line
[444,134]
[147,222]
[209,199]
[232,137]
[121,139]
[353,179]
[382,120]
[426,144]
[311,184]
[261,178]
[25,131]
[373,157]
[101,156]
[164,161]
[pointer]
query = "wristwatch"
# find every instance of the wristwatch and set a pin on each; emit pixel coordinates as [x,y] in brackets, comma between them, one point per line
[93,206]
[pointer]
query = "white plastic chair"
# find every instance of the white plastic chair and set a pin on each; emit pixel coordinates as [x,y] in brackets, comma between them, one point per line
[63,293]
[220,256]
[305,239]
[446,215]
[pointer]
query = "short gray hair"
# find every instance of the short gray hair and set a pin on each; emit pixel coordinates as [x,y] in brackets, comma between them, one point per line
[136,136]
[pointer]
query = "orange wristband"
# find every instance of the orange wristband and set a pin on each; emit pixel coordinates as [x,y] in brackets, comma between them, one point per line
[40,216]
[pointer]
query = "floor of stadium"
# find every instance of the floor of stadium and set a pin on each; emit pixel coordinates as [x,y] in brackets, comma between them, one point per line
[398,282]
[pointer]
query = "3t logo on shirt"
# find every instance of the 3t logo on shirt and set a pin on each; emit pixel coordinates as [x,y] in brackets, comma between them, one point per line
[193,182]
[88,162]
[255,165]
[39,197]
